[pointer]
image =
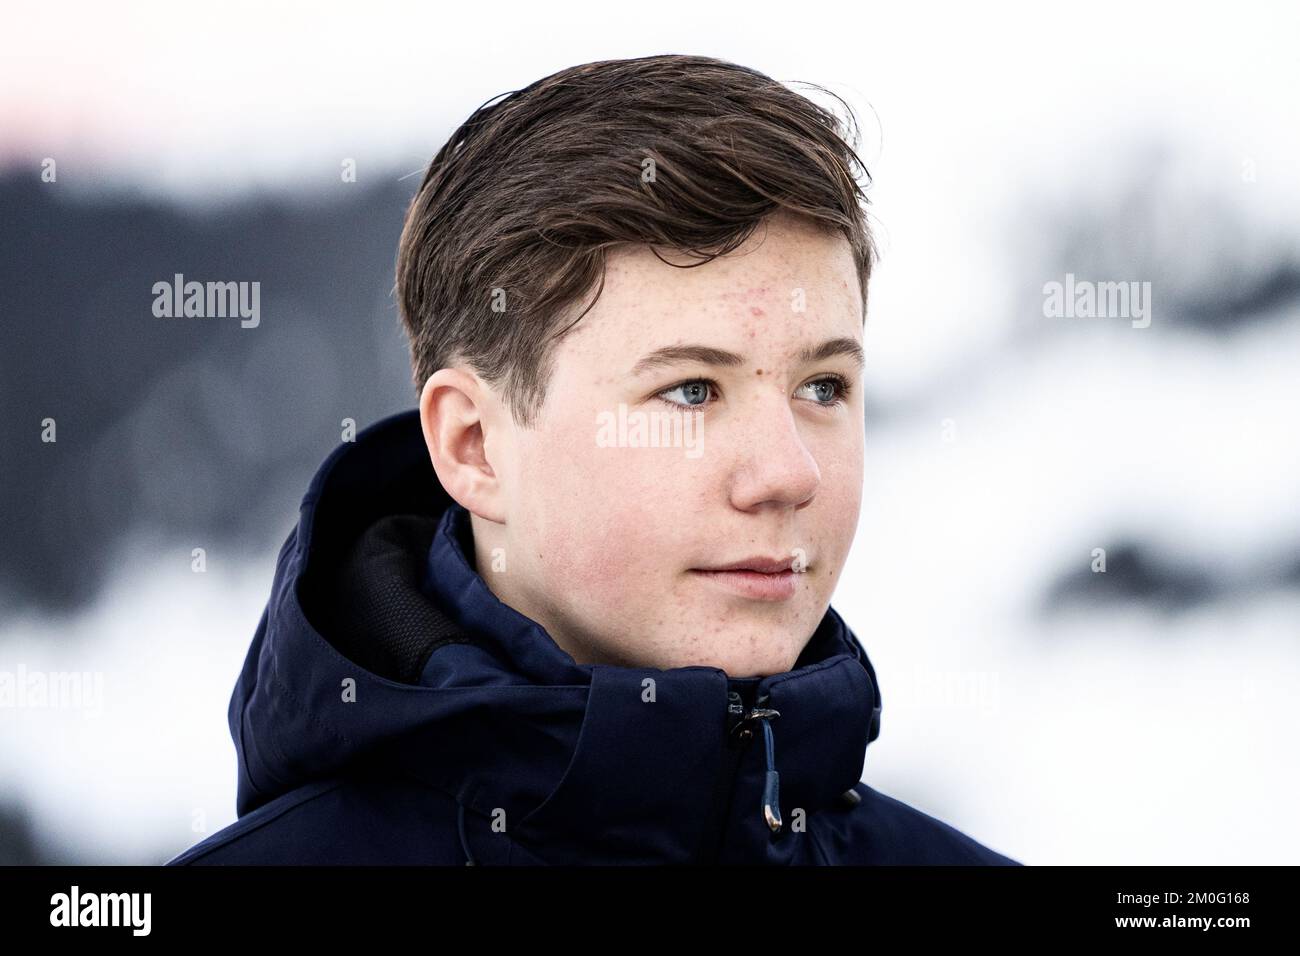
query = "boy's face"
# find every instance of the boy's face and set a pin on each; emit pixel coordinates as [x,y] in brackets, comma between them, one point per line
[607,540]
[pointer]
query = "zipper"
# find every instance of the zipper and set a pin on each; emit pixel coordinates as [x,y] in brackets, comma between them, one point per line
[740,732]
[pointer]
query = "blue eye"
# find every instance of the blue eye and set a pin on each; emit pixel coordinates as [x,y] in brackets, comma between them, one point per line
[839,389]
[696,388]
[830,391]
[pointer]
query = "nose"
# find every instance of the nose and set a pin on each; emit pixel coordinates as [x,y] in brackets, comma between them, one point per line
[776,469]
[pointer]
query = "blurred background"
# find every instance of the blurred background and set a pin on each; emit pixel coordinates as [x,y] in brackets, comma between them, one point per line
[1055,712]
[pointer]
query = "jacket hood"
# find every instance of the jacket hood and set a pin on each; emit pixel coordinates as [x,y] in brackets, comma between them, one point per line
[359,664]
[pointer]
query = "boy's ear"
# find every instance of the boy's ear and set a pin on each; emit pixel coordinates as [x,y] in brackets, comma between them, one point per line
[452,416]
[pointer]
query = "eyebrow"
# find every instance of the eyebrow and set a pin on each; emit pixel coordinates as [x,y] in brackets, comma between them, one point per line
[707,355]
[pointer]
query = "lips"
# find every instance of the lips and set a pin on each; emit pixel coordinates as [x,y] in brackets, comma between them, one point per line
[759,578]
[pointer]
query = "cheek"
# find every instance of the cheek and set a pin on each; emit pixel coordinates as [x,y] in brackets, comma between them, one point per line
[841,495]
[599,521]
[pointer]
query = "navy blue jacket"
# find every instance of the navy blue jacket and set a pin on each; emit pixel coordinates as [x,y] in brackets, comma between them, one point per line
[392,710]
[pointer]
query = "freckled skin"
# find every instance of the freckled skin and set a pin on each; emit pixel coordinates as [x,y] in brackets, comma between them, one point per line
[601,540]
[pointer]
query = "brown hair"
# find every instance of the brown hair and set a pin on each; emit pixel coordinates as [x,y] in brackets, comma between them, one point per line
[520,205]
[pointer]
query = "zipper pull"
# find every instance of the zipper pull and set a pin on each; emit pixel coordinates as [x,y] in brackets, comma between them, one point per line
[771,797]
[771,781]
